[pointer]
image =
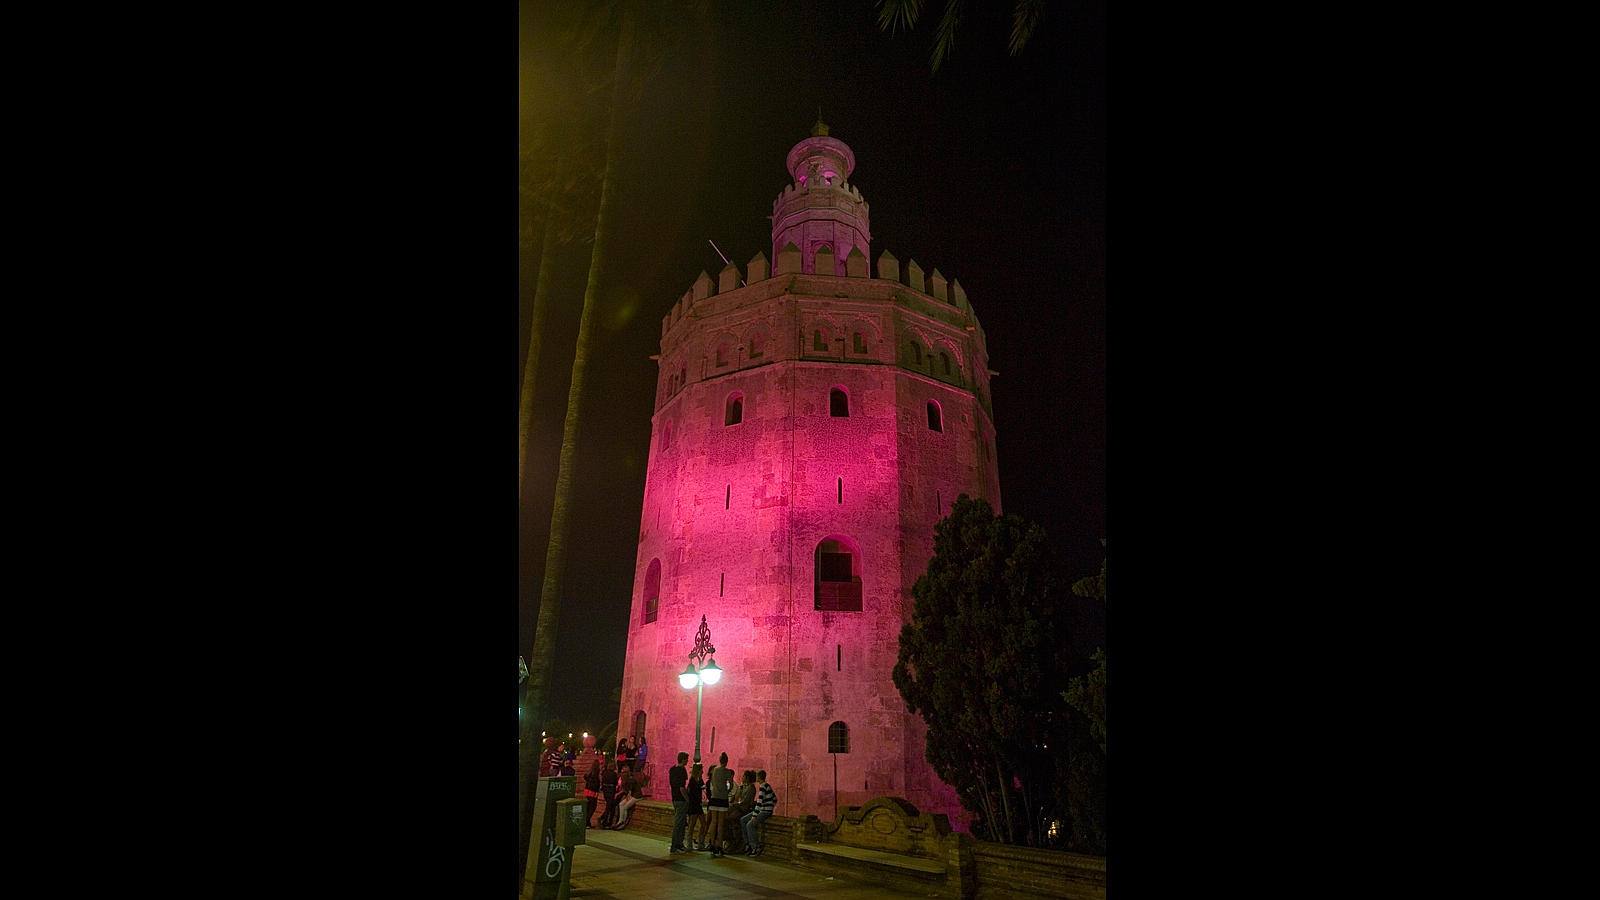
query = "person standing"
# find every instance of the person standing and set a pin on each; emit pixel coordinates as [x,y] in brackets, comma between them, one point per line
[550,760]
[591,790]
[766,802]
[720,787]
[678,777]
[608,790]
[694,813]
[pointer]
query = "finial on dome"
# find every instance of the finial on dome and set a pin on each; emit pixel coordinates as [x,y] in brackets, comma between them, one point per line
[821,128]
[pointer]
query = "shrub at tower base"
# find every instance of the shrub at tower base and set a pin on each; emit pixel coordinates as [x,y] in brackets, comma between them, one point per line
[985,660]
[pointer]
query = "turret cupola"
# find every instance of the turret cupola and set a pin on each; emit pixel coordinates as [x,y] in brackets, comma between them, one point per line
[821,210]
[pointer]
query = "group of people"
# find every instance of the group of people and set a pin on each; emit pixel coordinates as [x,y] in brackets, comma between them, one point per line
[620,787]
[630,756]
[714,809]
[749,802]
[556,759]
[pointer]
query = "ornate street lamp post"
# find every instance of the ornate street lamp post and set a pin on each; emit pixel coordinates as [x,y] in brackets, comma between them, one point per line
[693,679]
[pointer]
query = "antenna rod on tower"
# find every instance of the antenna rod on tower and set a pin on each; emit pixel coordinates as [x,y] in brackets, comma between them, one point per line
[725,260]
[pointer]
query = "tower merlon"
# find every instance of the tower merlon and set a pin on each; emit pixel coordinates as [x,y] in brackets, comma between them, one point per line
[823,263]
[855,265]
[888,266]
[914,276]
[938,284]
[789,260]
[728,278]
[758,267]
[702,286]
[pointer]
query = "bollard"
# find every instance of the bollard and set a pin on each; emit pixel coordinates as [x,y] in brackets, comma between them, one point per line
[549,870]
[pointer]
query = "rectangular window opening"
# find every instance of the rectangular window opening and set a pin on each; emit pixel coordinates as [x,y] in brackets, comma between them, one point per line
[841,656]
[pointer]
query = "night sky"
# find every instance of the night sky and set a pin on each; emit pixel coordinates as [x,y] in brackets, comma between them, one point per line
[993,171]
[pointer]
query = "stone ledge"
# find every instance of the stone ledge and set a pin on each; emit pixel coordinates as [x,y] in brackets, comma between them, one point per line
[1005,871]
[877,857]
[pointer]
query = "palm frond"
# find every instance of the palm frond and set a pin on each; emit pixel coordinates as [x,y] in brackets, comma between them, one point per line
[894,13]
[1025,18]
[945,40]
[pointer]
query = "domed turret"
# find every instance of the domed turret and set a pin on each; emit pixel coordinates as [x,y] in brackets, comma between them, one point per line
[820,209]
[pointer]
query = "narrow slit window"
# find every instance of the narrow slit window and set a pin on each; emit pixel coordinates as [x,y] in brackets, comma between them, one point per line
[841,489]
[722,582]
[652,591]
[839,648]
[727,497]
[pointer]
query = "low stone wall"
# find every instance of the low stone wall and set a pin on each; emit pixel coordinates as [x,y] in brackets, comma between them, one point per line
[1002,872]
[1006,872]
[655,817]
[889,841]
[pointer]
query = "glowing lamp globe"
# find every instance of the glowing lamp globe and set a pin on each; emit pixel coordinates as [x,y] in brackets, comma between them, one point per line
[689,677]
[712,673]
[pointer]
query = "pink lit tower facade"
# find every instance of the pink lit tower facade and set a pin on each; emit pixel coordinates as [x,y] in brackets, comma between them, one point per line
[811,425]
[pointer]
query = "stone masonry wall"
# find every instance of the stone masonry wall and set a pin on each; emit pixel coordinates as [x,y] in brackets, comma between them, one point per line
[734,513]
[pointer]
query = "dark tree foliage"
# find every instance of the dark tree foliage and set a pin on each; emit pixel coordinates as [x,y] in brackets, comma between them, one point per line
[985,660]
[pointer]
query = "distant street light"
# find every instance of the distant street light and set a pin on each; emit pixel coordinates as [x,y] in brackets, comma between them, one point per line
[692,679]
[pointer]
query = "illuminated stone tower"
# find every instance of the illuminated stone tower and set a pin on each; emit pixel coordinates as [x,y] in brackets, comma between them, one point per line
[810,428]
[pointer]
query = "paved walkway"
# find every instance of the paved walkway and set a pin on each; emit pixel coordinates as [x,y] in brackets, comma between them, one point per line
[629,866]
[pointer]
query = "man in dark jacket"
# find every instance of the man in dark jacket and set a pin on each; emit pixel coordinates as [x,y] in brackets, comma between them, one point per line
[678,778]
[608,790]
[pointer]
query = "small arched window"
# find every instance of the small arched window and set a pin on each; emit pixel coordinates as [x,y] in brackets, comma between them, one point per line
[838,404]
[817,343]
[683,377]
[935,417]
[916,352]
[652,591]
[733,410]
[860,345]
[944,359]
[838,738]
[638,726]
[838,576]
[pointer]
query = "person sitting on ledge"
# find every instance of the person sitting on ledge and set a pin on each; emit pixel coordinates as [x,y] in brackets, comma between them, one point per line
[766,802]
[630,796]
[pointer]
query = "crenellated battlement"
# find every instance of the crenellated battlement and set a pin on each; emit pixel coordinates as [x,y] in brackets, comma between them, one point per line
[934,288]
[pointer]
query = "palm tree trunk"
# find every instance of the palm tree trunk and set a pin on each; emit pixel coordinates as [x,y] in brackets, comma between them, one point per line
[540,663]
[530,369]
